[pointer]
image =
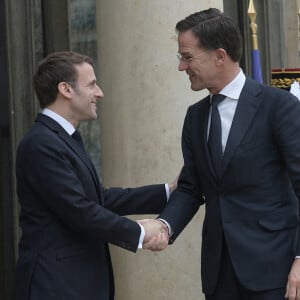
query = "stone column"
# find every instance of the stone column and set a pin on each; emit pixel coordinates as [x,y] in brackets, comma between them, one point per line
[141,120]
[291,36]
[284,33]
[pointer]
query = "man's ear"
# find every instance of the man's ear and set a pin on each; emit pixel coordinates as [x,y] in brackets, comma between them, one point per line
[65,89]
[220,56]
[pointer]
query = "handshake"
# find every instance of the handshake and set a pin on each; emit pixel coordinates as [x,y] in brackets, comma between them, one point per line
[156,234]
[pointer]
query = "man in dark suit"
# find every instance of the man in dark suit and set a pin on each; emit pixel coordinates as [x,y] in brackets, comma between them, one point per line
[67,217]
[242,160]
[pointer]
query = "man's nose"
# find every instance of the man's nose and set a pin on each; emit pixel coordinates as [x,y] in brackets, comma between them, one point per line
[182,65]
[99,93]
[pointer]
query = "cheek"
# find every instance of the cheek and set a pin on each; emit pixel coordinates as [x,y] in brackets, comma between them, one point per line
[206,69]
[198,68]
[198,71]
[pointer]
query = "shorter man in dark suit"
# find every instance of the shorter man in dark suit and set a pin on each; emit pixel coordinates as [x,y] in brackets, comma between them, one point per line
[241,149]
[67,217]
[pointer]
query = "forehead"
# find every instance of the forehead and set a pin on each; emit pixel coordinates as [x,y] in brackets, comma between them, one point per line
[187,42]
[85,72]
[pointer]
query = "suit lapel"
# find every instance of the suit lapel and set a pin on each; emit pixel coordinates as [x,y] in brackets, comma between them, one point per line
[53,125]
[245,112]
[203,131]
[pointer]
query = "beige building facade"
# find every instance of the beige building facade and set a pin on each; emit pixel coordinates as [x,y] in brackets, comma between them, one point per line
[137,138]
[145,102]
[142,113]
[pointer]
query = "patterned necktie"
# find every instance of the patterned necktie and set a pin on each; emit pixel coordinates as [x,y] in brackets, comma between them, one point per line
[215,135]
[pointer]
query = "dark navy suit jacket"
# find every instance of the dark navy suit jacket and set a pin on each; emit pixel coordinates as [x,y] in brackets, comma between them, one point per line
[67,218]
[254,204]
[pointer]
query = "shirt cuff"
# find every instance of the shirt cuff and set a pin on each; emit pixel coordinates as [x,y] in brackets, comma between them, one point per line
[167,191]
[170,231]
[142,236]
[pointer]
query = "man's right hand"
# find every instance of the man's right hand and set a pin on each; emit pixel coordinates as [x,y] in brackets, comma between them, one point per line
[156,234]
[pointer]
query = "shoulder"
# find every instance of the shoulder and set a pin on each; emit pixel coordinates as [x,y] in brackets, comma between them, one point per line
[38,133]
[268,97]
[39,138]
[201,105]
[263,90]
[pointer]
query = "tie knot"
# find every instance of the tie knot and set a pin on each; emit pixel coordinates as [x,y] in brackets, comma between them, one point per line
[216,99]
[76,136]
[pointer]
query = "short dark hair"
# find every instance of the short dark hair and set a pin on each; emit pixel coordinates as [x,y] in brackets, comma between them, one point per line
[214,30]
[55,68]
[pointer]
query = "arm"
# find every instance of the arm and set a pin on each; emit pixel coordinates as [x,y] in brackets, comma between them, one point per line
[287,127]
[53,181]
[149,199]
[186,199]
[141,200]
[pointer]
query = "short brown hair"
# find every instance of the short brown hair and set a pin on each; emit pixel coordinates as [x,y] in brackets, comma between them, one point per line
[214,30]
[55,68]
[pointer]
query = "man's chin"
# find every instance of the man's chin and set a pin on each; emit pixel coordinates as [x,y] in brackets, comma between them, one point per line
[94,115]
[90,118]
[196,88]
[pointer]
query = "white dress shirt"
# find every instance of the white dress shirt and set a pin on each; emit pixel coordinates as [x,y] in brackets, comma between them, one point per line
[66,125]
[228,106]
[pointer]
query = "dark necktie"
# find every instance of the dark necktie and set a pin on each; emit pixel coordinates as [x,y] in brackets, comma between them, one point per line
[215,135]
[77,137]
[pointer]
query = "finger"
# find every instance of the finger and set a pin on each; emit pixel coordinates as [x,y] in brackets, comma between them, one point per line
[143,221]
[158,242]
[155,244]
[150,245]
[292,293]
[164,227]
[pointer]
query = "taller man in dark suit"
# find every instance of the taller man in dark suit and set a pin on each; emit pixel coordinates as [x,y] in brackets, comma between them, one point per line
[242,160]
[67,218]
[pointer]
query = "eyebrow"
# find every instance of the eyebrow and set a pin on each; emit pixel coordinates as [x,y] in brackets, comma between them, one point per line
[91,82]
[184,53]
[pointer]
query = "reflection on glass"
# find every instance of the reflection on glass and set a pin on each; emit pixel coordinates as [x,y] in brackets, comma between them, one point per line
[284,42]
[38,31]
[83,40]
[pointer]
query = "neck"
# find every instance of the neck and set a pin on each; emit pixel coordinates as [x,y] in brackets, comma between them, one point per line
[225,77]
[62,109]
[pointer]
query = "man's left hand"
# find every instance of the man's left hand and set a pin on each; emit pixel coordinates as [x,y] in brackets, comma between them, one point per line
[293,285]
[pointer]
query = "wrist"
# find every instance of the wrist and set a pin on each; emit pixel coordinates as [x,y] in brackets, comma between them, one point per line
[167,225]
[172,187]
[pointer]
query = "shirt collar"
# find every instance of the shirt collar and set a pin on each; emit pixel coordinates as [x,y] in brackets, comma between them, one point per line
[234,88]
[66,125]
